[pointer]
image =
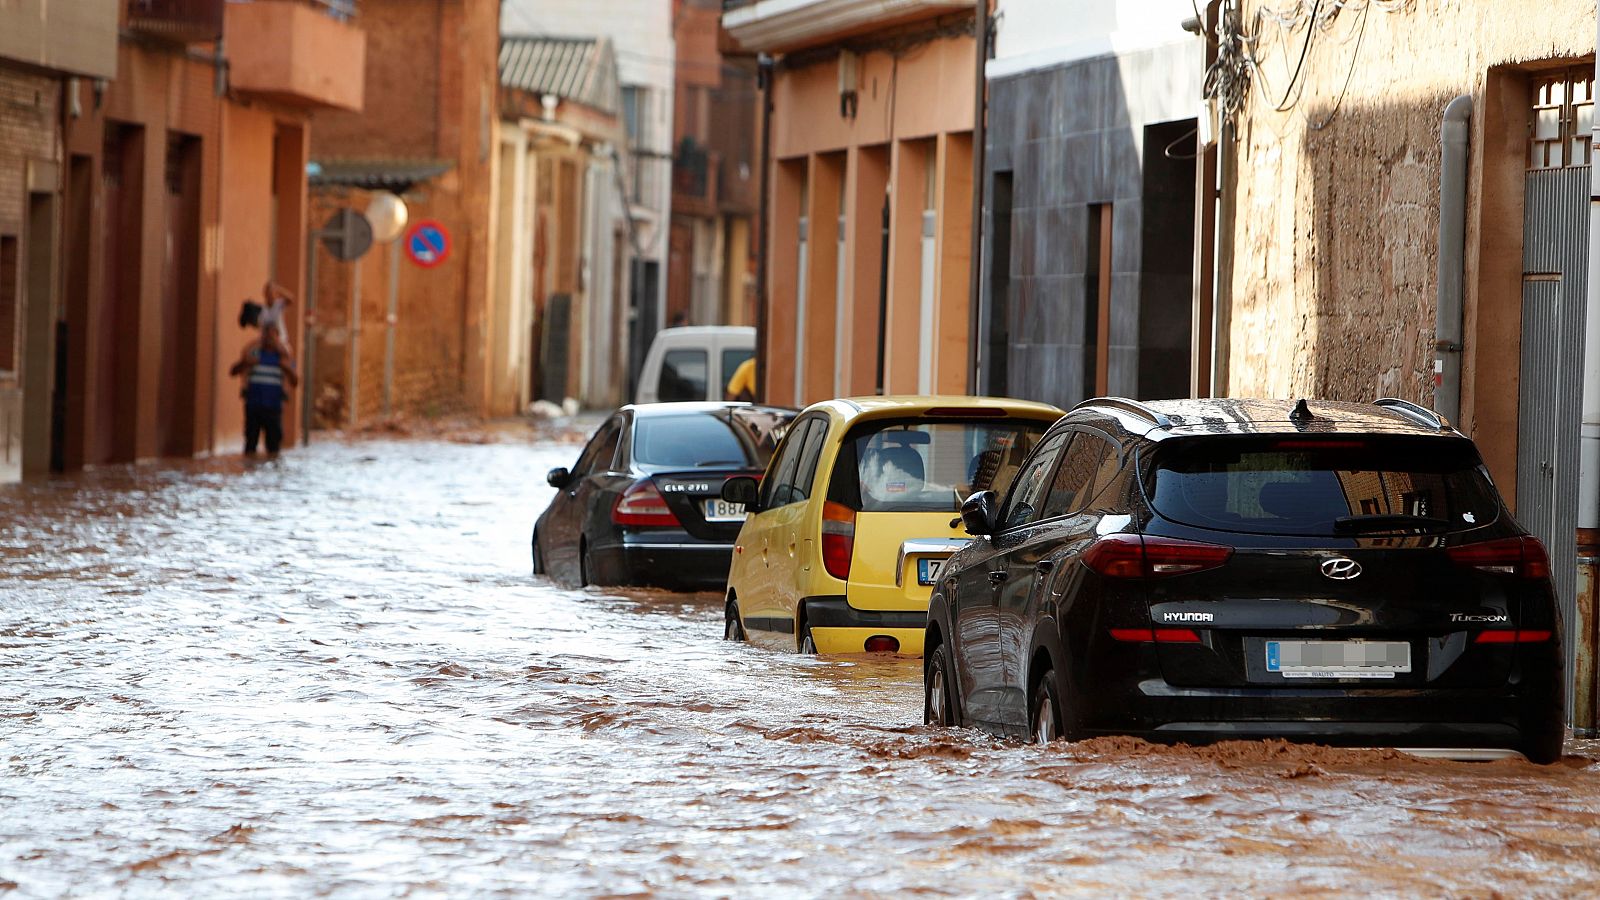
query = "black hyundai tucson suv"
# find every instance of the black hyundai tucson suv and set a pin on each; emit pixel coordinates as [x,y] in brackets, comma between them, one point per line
[1198,570]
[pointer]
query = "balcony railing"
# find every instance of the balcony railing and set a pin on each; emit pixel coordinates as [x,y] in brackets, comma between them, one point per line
[179,21]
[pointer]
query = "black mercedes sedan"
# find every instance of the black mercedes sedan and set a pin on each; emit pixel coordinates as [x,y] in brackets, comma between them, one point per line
[642,505]
[1198,570]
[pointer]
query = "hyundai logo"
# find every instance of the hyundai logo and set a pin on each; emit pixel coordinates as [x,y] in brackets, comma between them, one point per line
[1341,569]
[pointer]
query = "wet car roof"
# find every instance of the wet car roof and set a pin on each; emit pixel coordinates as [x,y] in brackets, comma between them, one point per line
[1261,416]
[650,410]
[920,404]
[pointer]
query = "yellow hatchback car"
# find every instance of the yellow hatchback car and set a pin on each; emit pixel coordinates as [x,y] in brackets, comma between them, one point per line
[860,506]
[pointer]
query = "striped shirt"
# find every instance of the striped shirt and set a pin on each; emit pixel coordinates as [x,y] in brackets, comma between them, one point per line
[265,388]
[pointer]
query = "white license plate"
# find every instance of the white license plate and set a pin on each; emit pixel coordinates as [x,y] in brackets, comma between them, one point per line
[722,511]
[1338,659]
[928,570]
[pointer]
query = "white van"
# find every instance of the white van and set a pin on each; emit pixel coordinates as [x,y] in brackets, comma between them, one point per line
[694,362]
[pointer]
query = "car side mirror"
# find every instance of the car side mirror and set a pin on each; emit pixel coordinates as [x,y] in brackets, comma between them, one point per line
[978,513]
[559,478]
[743,490]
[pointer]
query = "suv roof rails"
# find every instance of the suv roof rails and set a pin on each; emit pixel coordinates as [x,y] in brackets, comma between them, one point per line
[1134,407]
[1419,414]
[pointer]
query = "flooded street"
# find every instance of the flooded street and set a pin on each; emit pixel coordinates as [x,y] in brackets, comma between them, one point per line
[333,675]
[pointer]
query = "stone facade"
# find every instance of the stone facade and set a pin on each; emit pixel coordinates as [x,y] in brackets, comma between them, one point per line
[1335,251]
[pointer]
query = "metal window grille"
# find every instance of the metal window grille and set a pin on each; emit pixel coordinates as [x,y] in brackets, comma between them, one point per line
[1559,130]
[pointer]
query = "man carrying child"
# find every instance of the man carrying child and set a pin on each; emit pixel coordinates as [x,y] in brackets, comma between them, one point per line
[270,369]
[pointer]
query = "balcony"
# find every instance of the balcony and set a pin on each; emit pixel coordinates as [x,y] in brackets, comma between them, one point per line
[305,53]
[780,26]
[178,21]
[77,38]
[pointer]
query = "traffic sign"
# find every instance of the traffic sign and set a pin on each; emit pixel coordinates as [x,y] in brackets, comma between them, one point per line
[348,235]
[428,243]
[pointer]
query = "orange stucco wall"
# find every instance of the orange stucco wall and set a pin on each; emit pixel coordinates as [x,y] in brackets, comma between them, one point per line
[913,119]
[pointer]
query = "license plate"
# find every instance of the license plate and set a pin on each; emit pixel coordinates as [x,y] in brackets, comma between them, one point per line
[722,511]
[928,570]
[1338,659]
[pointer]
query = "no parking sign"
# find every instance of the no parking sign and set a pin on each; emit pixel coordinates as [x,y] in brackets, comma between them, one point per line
[428,243]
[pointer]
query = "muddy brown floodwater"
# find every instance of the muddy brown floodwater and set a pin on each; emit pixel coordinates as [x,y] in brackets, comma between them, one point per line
[334,675]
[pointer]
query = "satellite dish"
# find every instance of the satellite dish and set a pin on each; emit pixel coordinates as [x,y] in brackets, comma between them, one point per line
[388,215]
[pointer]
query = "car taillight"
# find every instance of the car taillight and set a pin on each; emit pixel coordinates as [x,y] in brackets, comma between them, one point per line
[1157,635]
[1512,636]
[1522,556]
[1129,556]
[642,504]
[838,538]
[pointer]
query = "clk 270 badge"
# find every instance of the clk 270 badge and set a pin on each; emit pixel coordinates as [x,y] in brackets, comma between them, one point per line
[681,488]
[1187,617]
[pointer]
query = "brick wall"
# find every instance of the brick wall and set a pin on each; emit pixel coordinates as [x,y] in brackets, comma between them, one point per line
[28,117]
[432,76]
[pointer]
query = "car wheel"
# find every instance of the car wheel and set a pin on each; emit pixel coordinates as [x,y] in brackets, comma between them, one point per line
[1546,748]
[538,558]
[732,628]
[808,646]
[585,565]
[938,699]
[1545,740]
[1046,717]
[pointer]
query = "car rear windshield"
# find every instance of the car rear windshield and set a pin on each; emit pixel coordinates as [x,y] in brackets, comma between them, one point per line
[921,466]
[732,438]
[1321,486]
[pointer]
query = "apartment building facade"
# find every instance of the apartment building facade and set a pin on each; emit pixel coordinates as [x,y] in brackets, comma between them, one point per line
[869,221]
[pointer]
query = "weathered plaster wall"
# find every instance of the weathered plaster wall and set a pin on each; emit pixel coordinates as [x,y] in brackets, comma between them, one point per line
[1336,227]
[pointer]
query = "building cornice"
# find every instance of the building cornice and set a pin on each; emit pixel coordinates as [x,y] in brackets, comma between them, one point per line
[777,26]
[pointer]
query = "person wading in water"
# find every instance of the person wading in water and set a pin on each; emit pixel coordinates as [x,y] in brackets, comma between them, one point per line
[271,369]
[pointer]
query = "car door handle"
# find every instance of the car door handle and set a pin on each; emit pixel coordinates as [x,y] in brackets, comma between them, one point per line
[997,577]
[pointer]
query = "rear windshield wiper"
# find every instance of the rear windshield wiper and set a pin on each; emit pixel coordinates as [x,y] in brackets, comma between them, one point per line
[720,462]
[1387,522]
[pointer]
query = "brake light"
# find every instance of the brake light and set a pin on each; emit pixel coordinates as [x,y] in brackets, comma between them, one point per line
[1129,556]
[838,538]
[1157,635]
[1522,556]
[1512,636]
[642,504]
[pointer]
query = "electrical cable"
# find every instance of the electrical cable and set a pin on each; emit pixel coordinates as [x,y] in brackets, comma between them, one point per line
[1361,33]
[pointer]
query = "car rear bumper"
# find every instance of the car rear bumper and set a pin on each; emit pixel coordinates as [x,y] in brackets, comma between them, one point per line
[678,561]
[838,627]
[1488,718]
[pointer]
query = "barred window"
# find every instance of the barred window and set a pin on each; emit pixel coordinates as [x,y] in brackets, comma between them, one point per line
[1559,132]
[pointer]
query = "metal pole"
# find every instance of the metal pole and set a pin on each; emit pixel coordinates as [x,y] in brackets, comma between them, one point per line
[354,353]
[308,370]
[389,327]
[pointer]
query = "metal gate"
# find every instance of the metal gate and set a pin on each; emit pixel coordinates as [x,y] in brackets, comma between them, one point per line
[1555,247]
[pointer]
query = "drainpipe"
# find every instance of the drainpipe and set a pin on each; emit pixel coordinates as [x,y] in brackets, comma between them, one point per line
[979,181]
[1222,302]
[1453,135]
[764,72]
[1585,632]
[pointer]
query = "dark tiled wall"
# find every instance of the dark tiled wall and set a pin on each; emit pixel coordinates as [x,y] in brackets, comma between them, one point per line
[1066,135]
